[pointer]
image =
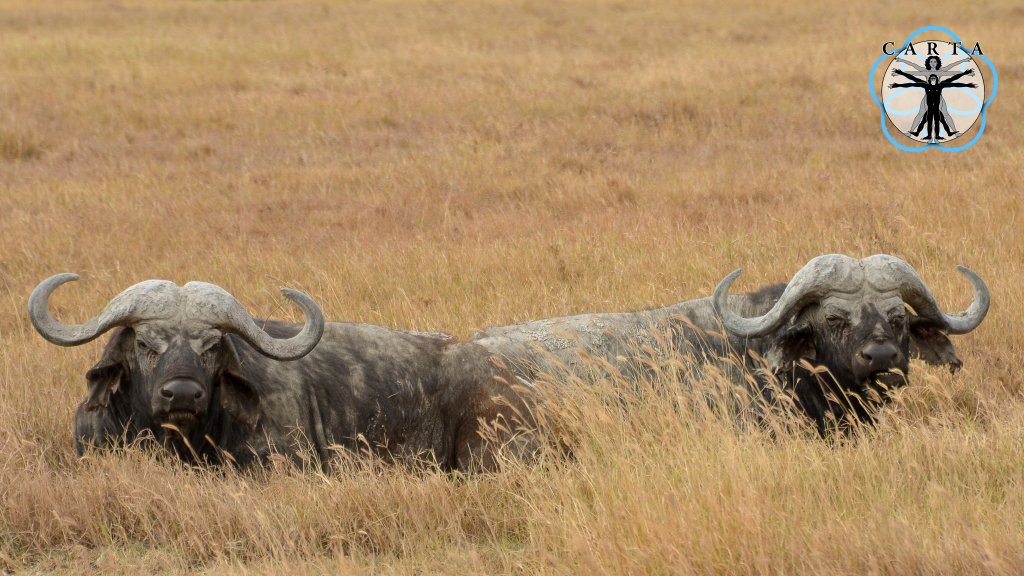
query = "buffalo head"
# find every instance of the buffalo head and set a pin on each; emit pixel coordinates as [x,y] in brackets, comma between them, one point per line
[170,364]
[852,317]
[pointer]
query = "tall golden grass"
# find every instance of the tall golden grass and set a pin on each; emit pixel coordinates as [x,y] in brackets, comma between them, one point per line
[453,165]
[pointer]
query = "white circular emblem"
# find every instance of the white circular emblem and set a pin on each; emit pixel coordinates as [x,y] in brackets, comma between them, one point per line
[933,91]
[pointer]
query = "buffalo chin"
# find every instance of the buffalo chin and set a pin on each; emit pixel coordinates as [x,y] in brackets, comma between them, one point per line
[179,419]
[887,380]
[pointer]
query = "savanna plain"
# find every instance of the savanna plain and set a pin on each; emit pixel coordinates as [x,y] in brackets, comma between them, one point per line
[454,165]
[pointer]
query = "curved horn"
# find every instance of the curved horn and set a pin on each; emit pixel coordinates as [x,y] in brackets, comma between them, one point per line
[748,327]
[118,312]
[818,277]
[229,315]
[914,292]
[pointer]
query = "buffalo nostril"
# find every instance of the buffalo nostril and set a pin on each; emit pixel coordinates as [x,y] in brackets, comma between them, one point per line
[182,393]
[879,356]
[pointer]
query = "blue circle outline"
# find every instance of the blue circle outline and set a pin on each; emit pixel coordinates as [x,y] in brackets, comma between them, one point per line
[984,108]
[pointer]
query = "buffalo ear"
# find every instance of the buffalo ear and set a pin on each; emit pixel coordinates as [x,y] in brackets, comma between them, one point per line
[237,394]
[96,428]
[790,345]
[930,344]
[110,374]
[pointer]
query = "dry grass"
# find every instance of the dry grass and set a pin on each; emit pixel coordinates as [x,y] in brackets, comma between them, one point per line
[453,165]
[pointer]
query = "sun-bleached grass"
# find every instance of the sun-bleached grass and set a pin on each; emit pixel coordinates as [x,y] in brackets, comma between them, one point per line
[440,165]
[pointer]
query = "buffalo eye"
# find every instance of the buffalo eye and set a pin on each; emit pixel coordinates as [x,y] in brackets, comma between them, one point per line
[835,320]
[210,354]
[897,320]
[147,354]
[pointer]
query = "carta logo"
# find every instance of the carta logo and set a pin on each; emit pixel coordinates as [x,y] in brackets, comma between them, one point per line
[933,91]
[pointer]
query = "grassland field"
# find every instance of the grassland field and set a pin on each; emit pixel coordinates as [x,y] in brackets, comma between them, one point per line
[448,166]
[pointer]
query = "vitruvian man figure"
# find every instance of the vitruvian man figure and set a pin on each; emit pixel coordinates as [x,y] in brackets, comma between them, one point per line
[933,107]
[933,65]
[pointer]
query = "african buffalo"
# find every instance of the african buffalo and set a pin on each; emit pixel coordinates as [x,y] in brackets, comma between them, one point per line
[849,316]
[189,368]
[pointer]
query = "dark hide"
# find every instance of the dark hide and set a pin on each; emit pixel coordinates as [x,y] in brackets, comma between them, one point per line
[861,346]
[395,393]
[852,388]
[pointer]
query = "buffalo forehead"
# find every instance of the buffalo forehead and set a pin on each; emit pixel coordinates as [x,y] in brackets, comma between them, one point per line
[157,335]
[891,304]
[853,304]
[162,333]
[202,337]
